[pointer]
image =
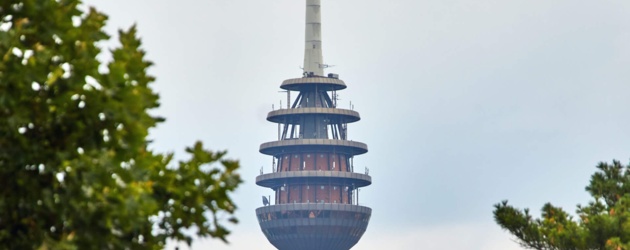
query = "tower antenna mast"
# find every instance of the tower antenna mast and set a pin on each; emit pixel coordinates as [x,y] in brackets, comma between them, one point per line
[313,59]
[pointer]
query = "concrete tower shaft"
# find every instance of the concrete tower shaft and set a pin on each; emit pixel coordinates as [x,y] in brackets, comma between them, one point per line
[313,59]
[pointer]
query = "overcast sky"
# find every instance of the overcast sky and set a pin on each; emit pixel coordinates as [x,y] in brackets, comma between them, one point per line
[463,103]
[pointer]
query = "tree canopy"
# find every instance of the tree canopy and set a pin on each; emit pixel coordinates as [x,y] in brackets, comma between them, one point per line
[604,223]
[76,171]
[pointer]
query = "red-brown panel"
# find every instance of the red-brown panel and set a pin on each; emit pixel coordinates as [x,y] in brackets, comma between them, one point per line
[343,160]
[312,193]
[294,194]
[322,160]
[295,163]
[308,194]
[283,195]
[284,163]
[335,195]
[323,193]
[309,161]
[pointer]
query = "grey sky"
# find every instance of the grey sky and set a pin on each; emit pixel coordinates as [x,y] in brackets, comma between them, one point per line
[463,103]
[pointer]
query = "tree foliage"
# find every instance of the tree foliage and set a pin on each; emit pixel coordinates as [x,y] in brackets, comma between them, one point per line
[602,224]
[75,168]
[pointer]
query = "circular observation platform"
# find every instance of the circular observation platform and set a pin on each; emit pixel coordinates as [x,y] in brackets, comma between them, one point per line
[315,145]
[274,180]
[308,226]
[324,83]
[293,116]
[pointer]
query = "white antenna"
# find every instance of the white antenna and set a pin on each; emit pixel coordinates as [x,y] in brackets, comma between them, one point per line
[313,37]
[325,66]
[335,98]
[288,97]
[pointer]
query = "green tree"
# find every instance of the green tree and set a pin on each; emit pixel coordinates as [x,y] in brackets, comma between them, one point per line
[75,168]
[602,224]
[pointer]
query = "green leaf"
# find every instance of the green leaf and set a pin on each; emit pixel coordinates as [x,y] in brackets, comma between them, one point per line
[75,165]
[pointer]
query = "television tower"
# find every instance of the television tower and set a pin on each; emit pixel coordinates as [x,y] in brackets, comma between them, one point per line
[316,201]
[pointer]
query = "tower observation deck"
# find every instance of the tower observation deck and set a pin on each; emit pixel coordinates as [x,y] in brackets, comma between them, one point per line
[316,201]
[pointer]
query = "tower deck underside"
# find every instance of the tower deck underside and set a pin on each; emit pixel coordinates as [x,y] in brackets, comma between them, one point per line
[293,116]
[313,226]
[275,148]
[320,83]
[275,180]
